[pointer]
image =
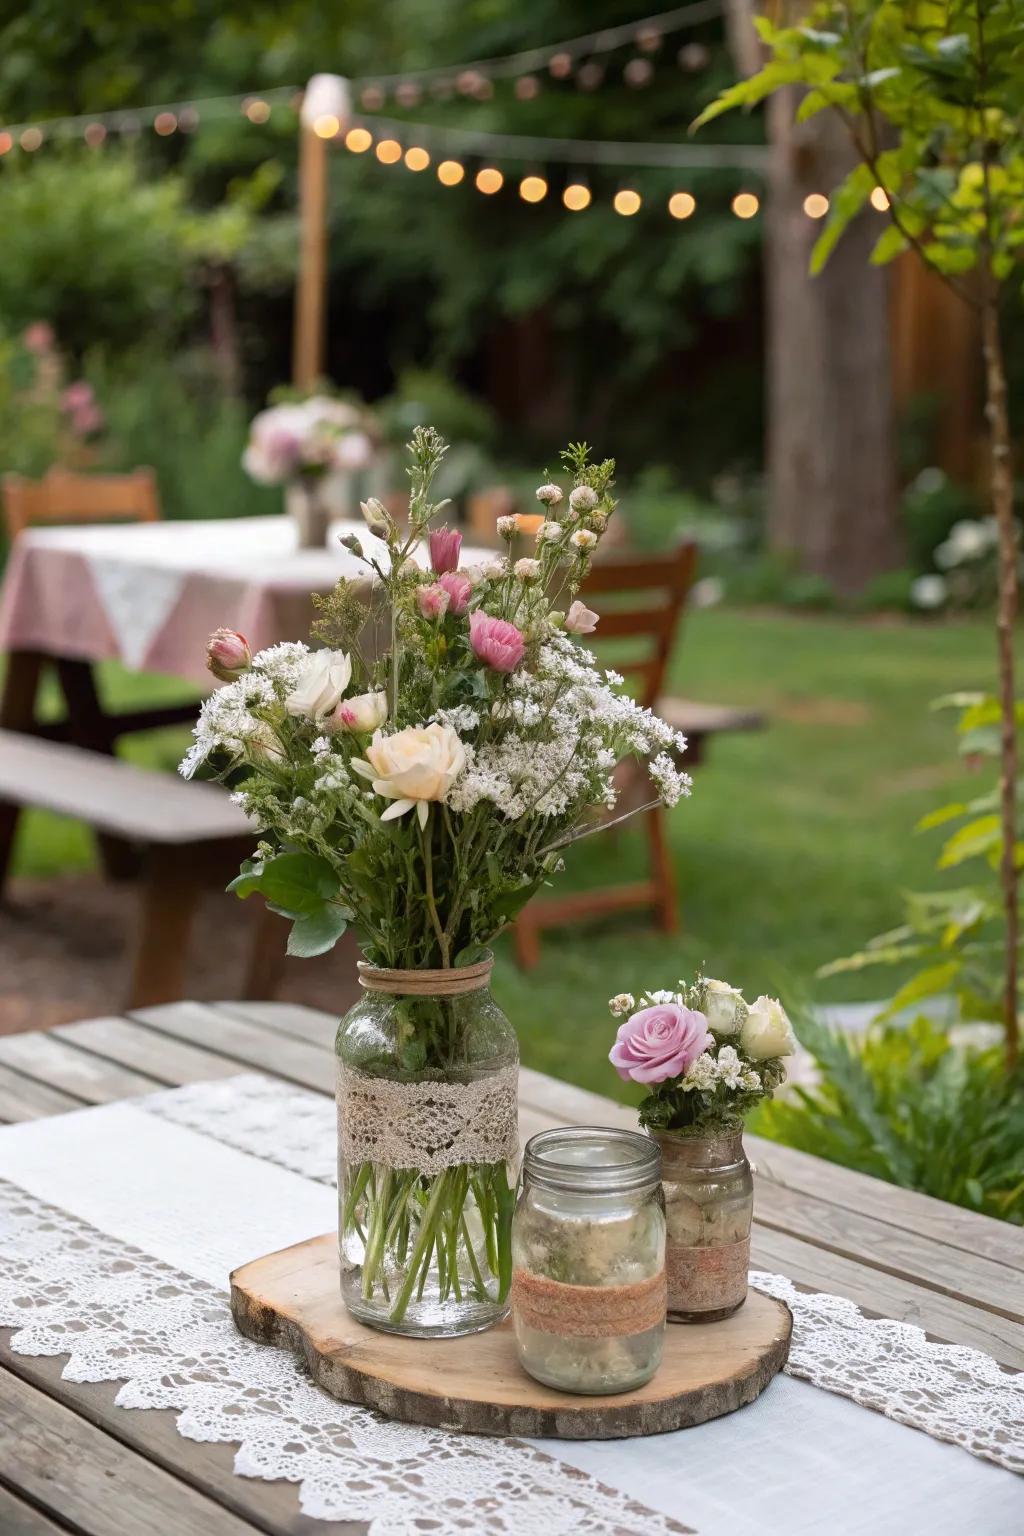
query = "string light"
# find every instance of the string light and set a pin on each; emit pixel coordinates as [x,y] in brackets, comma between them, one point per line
[590,75]
[408,94]
[94,134]
[627,202]
[527,88]
[745,205]
[416,158]
[257,110]
[165,123]
[358,140]
[6,143]
[31,139]
[450,173]
[489,180]
[372,98]
[576,197]
[188,119]
[533,189]
[560,66]
[638,72]
[815,205]
[388,151]
[327,126]
[879,200]
[681,204]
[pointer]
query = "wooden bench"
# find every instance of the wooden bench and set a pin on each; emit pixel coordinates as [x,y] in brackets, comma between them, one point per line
[191,836]
[699,722]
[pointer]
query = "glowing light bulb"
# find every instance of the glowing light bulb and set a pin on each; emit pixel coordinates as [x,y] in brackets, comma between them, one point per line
[327,126]
[257,111]
[745,205]
[388,151]
[416,159]
[372,98]
[164,123]
[576,197]
[31,139]
[879,199]
[94,134]
[489,180]
[815,205]
[681,204]
[358,140]
[6,143]
[533,189]
[450,173]
[627,202]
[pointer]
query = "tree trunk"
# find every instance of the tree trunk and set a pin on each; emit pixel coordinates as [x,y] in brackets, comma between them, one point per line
[831,456]
[1002,504]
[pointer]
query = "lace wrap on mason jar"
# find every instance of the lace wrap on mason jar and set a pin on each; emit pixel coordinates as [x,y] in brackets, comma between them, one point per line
[429,1126]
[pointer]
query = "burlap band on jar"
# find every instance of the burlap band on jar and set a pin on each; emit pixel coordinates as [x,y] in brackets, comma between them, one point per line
[588,1311]
[428,1126]
[449,983]
[706,1279]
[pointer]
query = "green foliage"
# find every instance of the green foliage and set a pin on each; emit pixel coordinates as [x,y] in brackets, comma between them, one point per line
[954,937]
[304,888]
[909,1105]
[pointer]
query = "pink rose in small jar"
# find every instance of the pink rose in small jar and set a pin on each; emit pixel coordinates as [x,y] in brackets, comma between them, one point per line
[495,642]
[445,544]
[459,589]
[228,654]
[432,601]
[659,1042]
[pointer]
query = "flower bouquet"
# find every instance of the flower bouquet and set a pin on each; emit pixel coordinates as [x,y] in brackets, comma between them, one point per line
[707,1058]
[419,777]
[303,445]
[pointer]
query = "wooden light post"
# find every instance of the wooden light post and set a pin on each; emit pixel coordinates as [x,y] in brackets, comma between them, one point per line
[326,113]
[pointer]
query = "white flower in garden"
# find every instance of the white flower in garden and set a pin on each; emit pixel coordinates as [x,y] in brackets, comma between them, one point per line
[548,530]
[412,767]
[583,539]
[723,1006]
[550,495]
[580,620]
[663,995]
[928,592]
[320,749]
[767,1031]
[320,684]
[702,1075]
[583,499]
[621,1004]
[507,525]
[527,570]
[364,713]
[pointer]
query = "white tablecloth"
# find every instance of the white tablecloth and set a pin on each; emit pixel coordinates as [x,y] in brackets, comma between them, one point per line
[96,1202]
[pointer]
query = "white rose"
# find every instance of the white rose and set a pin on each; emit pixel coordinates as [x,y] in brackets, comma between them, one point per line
[723,1006]
[621,1004]
[767,1031]
[550,495]
[363,713]
[548,530]
[322,680]
[413,767]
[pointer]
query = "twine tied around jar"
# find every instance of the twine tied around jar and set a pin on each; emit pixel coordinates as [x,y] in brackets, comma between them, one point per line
[433,983]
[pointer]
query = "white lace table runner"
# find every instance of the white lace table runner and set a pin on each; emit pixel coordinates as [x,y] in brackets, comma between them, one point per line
[102,1262]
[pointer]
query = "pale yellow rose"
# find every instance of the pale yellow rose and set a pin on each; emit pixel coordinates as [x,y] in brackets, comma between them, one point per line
[723,1006]
[413,767]
[767,1031]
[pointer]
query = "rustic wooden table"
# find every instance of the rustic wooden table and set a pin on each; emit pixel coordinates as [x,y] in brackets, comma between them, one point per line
[70,1461]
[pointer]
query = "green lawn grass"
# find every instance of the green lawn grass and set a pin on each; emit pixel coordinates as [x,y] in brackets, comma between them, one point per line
[792,850]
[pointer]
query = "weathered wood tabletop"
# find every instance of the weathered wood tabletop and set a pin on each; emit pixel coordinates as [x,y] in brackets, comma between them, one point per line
[66,1451]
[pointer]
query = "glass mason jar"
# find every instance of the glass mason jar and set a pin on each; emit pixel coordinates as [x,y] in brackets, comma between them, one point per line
[306,505]
[588,1260]
[709,1205]
[427,1080]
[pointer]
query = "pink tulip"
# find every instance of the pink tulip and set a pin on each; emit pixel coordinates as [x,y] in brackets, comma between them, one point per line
[228,654]
[659,1042]
[432,601]
[496,643]
[445,544]
[459,588]
[580,620]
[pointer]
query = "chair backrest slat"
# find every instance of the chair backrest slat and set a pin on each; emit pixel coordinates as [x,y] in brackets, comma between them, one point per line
[63,496]
[667,582]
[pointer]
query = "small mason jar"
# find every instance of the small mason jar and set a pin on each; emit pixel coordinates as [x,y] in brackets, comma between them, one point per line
[709,1206]
[588,1260]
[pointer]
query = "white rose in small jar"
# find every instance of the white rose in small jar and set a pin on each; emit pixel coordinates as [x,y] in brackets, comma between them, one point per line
[723,1006]
[319,686]
[413,767]
[767,1031]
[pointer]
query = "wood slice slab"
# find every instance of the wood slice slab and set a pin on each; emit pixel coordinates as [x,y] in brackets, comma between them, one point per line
[475,1383]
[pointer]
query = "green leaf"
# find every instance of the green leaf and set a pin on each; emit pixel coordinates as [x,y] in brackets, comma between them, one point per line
[890,244]
[317,931]
[298,883]
[943,814]
[845,203]
[927,983]
[978,837]
[249,878]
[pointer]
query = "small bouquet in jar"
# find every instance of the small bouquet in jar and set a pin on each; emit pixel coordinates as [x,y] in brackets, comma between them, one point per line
[707,1057]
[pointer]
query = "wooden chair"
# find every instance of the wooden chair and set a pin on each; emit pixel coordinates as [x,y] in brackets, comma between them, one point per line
[653,594]
[63,496]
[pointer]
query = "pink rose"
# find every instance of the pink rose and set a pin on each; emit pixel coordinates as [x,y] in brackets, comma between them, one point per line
[433,601]
[458,588]
[445,544]
[496,643]
[658,1043]
[580,620]
[228,654]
